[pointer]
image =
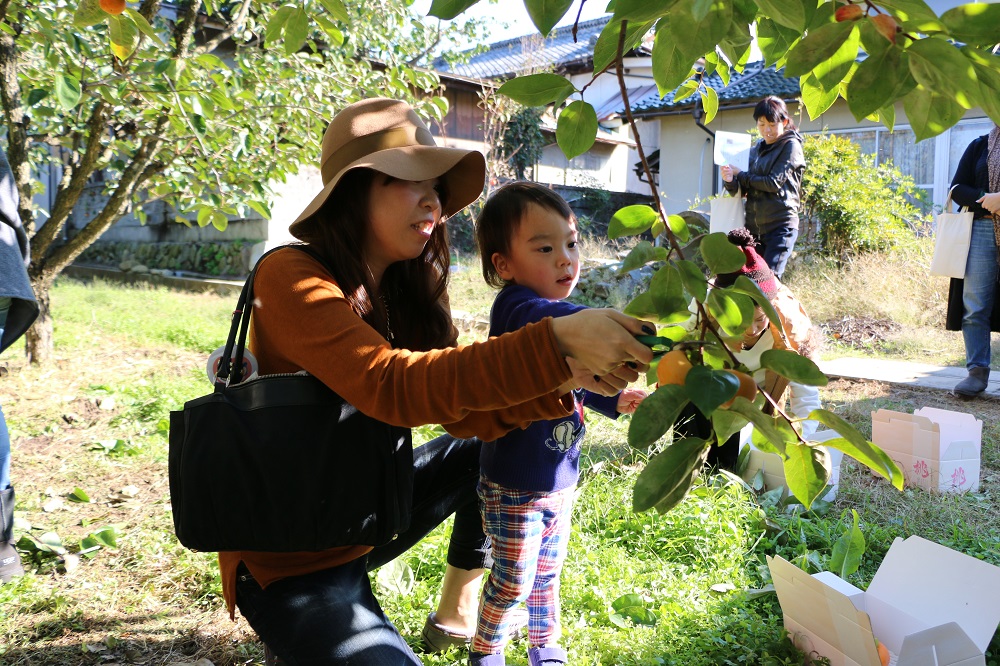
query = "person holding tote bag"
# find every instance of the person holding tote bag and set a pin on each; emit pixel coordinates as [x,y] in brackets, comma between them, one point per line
[972,302]
[371,321]
[773,183]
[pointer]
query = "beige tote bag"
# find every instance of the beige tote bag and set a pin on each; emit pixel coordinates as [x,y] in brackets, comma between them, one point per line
[727,213]
[951,241]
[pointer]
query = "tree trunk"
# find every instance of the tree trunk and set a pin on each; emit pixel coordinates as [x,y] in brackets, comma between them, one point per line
[38,340]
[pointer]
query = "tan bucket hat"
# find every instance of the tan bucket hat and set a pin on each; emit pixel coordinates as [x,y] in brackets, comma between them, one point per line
[387,135]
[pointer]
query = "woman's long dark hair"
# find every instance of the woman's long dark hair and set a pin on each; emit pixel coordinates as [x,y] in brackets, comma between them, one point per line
[773,108]
[413,290]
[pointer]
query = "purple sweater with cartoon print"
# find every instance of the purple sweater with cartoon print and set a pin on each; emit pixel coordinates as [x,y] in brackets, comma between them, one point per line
[545,456]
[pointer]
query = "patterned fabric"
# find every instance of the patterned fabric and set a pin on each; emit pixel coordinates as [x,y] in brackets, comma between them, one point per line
[994,170]
[755,267]
[530,533]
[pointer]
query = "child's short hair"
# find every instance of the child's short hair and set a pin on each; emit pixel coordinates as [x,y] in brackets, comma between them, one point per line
[502,215]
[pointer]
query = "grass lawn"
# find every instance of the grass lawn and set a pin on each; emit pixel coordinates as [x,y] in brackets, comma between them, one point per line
[89,466]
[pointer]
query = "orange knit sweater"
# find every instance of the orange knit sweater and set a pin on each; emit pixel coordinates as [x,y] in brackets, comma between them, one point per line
[301,320]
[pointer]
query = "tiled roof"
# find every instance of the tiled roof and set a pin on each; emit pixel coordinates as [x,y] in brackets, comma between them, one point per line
[750,85]
[508,57]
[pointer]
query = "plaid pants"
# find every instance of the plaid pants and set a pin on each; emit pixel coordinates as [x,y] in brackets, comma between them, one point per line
[530,533]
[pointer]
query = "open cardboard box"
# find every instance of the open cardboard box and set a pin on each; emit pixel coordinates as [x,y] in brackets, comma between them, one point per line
[929,605]
[937,449]
[773,470]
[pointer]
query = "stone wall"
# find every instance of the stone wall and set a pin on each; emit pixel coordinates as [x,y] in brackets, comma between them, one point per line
[210,258]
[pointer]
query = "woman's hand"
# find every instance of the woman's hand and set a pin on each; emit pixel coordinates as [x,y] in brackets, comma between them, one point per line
[990,202]
[729,172]
[610,384]
[604,341]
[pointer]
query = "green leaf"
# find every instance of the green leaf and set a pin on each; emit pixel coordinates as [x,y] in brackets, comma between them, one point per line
[449,9]
[679,228]
[631,221]
[989,83]
[641,11]
[79,495]
[708,388]
[606,49]
[693,279]
[686,89]
[710,101]
[670,66]
[832,71]
[338,11]
[789,13]
[642,307]
[874,83]
[845,558]
[775,40]
[667,292]
[633,607]
[219,220]
[576,129]
[36,96]
[819,46]
[396,577]
[929,113]
[546,13]
[807,471]
[763,424]
[88,13]
[68,91]
[656,415]
[793,366]
[727,423]
[261,207]
[276,25]
[669,475]
[640,255]
[977,23]
[720,255]
[537,89]
[696,37]
[910,10]
[942,68]
[733,311]
[143,25]
[124,35]
[296,30]
[887,114]
[853,444]
[815,97]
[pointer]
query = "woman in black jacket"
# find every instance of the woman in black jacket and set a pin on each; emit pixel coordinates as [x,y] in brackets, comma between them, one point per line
[772,184]
[971,302]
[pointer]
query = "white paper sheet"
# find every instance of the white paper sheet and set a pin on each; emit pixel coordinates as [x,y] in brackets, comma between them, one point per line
[732,148]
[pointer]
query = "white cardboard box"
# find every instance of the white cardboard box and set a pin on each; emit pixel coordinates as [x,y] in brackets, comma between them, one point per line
[773,470]
[937,449]
[929,605]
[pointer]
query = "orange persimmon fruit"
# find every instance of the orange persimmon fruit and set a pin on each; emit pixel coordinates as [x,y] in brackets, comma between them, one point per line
[113,6]
[673,368]
[883,652]
[747,389]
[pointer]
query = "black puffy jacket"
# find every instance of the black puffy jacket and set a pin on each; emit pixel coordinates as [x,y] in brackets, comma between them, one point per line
[773,183]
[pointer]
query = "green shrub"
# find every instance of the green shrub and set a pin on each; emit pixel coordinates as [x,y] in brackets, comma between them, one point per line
[858,206]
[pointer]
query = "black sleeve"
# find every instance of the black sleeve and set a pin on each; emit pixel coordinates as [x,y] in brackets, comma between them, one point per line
[964,191]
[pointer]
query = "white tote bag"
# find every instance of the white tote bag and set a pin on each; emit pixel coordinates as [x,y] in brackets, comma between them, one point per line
[727,213]
[951,242]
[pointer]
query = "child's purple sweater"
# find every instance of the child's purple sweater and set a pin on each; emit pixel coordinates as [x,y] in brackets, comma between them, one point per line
[545,456]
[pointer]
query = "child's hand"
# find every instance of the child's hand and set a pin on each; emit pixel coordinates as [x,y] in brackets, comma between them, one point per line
[629,399]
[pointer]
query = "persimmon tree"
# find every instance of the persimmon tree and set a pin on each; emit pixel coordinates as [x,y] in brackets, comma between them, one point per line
[202,105]
[873,53]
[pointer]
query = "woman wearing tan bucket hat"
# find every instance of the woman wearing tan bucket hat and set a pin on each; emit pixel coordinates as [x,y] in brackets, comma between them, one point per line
[371,320]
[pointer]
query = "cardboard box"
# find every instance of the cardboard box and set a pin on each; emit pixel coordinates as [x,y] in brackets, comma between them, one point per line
[773,470]
[937,449]
[929,605]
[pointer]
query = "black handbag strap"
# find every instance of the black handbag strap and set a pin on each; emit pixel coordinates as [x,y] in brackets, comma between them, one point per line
[231,367]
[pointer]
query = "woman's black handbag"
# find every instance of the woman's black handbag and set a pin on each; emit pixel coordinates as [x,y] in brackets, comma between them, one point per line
[282,464]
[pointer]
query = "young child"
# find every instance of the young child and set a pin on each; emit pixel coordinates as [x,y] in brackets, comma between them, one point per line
[527,241]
